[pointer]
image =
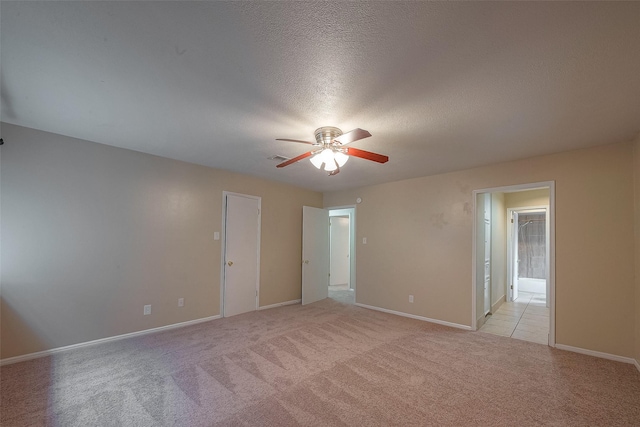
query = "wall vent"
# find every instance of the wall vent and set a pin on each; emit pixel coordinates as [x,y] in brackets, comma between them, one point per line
[279,158]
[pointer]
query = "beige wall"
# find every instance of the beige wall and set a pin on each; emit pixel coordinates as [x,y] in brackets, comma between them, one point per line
[636,168]
[91,233]
[522,199]
[420,242]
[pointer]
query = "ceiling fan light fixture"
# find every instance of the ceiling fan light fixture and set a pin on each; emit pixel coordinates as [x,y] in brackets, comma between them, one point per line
[327,155]
[330,153]
[330,166]
[317,160]
[340,158]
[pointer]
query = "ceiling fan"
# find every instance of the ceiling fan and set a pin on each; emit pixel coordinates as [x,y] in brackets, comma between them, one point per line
[331,151]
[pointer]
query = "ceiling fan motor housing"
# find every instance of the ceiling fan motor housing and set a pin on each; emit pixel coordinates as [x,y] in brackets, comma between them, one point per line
[326,134]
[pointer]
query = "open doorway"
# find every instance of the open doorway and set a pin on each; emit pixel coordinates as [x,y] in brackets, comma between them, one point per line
[342,254]
[513,281]
[527,240]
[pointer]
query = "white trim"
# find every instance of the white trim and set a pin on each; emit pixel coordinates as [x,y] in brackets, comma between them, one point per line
[635,362]
[599,354]
[551,260]
[45,353]
[474,261]
[497,304]
[516,188]
[280,304]
[413,316]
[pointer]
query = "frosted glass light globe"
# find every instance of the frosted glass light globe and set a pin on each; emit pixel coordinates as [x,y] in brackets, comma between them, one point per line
[341,158]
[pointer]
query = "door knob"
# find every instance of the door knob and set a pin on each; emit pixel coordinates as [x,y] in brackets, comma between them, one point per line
[230,263]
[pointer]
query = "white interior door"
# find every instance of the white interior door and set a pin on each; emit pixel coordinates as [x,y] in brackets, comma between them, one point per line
[487,253]
[241,254]
[315,254]
[547,256]
[340,248]
[514,258]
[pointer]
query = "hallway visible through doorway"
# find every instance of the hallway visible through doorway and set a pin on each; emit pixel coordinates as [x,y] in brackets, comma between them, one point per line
[342,272]
[508,253]
[342,293]
[526,318]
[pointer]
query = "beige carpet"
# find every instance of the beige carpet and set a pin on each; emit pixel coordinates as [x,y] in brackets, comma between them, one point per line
[325,364]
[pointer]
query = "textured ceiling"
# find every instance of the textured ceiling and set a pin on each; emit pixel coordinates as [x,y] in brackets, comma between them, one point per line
[441,86]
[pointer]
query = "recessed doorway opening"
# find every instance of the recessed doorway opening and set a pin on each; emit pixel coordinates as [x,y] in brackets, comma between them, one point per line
[527,253]
[513,262]
[342,254]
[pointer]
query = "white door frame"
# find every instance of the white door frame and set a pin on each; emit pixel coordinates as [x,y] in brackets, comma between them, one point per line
[223,237]
[551,272]
[351,211]
[511,245]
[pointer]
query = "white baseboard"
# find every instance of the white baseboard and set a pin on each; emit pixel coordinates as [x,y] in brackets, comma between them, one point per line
[599,354]
[498,303]
[280,304]
[635,362]
[480,322]
[44,353]
[413,316]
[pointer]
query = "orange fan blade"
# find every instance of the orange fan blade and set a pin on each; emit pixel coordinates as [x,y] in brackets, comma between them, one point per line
[295,140]
[295,159]
[367,155]
[351,136]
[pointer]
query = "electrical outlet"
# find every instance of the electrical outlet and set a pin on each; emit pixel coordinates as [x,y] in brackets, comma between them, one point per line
[410,298]
[147,309]
[180,302]
[364,240]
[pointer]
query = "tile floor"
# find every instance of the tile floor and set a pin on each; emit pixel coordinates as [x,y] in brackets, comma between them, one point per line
[342,293]
[526,318]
